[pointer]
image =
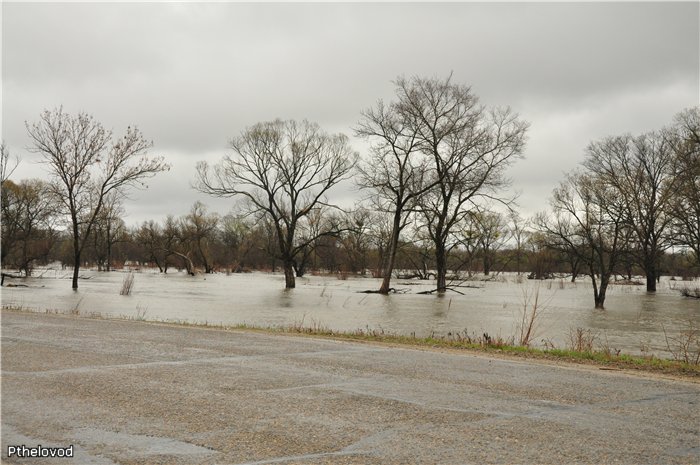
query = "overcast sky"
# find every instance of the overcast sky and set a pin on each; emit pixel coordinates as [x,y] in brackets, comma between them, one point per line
[192,75]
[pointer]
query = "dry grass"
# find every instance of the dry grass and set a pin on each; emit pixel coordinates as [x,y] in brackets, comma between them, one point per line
[581,340]
[527,326]
[127,284]
[141,311]
[685,346]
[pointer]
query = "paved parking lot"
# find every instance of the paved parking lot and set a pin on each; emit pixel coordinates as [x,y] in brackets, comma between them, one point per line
[140,393]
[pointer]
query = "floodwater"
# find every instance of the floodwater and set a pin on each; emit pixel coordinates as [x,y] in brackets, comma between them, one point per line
[633,322]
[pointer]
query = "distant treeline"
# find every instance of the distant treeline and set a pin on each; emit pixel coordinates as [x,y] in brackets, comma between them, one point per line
[206,242]
[436,202]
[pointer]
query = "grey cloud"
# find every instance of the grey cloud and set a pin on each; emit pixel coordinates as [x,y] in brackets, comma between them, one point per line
[192,75]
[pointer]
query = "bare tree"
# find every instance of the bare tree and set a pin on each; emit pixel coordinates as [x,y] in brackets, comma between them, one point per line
[396,171]
[162,243]
[517,230]
[541,258]
[417,255]
[150,237]
[199,228]
[237,236]
[589,222]
[7,165]
[573,250]
[356,240]
[491,235]
[318,230]
[9,203]
[466,236]
[28,231]
[379,235]
[284,170]
[685,135]
[109,230]
[469,147]
[87,165]
[175,243]
[641,171]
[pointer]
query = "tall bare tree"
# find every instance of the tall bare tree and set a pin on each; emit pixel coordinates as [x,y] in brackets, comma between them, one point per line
[395,172]
[469,146]
[589,221]
[283,169]
[86,165]
[437,147]
[685,134]
[641,170]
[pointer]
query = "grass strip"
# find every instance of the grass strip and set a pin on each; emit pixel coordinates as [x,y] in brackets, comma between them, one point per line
[605,359]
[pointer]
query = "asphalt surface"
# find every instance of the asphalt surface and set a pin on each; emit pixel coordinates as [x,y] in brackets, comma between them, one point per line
[138,393]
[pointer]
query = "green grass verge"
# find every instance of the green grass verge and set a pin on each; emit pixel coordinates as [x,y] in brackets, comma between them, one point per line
[455,341]
[601,358]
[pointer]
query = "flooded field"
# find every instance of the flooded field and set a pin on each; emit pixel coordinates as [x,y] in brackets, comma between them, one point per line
[633,321]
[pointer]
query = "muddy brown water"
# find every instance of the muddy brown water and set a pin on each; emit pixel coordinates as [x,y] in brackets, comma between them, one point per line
[634,321]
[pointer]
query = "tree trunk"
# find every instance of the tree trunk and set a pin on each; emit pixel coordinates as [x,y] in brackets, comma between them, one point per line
[650,269]
[155,260]
[109,247]
[76,269]
[76,248]
[386,285]
[600,299]
[441,264]
[594,283]
[301,265]
[76,263]
[208,268]
[289,281]
[388,267]
[574,270]
[189,266]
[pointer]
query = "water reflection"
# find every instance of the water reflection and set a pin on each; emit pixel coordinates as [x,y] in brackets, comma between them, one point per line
[285,298]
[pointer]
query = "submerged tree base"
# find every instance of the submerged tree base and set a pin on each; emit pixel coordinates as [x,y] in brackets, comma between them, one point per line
[693,293]
[441,291]
[391,290]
